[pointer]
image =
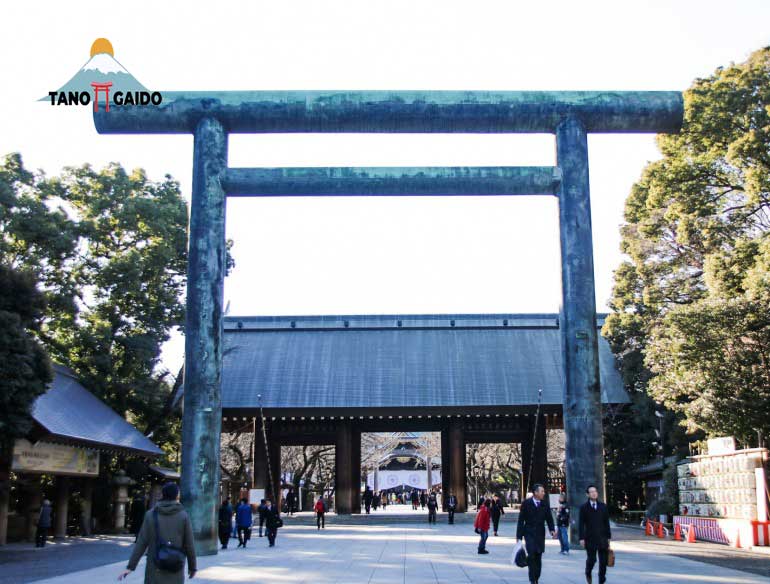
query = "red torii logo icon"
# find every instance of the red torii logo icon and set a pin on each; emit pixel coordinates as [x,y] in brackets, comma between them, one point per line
[99,87]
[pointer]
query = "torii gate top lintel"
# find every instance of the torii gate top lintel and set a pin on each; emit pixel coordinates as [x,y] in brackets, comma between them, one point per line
[400,112]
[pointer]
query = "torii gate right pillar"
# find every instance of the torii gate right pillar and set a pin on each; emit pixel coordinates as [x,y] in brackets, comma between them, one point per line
[580,345]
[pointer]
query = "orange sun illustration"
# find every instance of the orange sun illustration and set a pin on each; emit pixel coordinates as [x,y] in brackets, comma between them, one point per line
[102,46]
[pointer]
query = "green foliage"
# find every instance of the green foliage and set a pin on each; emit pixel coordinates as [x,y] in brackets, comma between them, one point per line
[24,365]
[131,266]
[38,236]
[108,249]
[689,321]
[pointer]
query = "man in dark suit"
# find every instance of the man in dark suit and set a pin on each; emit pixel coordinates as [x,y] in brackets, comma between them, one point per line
[451,507]
[533,516]
[594,529]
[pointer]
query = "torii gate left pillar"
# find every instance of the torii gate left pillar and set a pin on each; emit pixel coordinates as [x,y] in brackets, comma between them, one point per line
[202,422]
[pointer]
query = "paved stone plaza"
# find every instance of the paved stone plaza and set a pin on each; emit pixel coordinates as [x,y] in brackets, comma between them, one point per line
[414,553]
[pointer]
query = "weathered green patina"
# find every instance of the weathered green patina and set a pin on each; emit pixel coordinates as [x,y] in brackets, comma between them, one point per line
[385,181]
[400,111]
[202,418]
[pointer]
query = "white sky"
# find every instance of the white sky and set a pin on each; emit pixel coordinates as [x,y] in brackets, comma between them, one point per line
[379,255]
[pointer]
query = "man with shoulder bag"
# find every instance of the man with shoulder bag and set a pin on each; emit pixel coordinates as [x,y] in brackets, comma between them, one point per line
[273,522]
[534,515]
[167,536]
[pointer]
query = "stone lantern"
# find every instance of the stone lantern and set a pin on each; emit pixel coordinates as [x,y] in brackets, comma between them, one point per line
[120,483]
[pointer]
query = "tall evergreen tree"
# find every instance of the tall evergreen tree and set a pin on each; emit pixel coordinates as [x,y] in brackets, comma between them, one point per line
[108,250]
[689,321]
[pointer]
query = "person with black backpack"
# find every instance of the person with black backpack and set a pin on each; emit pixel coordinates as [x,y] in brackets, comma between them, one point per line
[167,537]
[273,521]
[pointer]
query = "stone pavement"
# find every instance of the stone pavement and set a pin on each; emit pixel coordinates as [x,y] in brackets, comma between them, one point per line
[23,562]
[420,554]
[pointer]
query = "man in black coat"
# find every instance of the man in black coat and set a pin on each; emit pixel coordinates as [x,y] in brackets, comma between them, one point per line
[451,507]
[272,522]
[533,516]
[291,501]
[225,523]
[594,529]
[368,496]
[497,510]
[432,504]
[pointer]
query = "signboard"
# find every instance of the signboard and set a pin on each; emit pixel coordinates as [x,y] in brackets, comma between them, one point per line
[723,445]
[255,496]
[57,459]
[416,479]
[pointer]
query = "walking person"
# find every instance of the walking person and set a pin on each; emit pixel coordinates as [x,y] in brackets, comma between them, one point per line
[562,524]
[533,516]
[225,522]
[243,522]
[272,522]
[423,500]
[320,513]
[261,512]
[595,535]
[432,504]
[376,500]
[497,512]
[415,500]
[291,501]
[451,507]
[368,496]
[166,523]
[481,526]
[43,523]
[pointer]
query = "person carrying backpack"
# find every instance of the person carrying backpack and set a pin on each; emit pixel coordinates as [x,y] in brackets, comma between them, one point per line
[167,537]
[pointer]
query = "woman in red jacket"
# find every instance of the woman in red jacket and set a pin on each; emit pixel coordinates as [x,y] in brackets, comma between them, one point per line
[320,513]
[482,525]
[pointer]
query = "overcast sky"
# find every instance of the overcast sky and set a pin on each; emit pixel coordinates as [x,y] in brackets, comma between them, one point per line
[379,255]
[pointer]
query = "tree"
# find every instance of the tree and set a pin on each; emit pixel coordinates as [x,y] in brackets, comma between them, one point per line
[24,368]
[309,466]
[493,467]
[687,321]
[38,236]
[131,266]
[108,249]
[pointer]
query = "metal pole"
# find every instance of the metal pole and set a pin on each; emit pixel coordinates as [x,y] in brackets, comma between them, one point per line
[580,349]
[202,418]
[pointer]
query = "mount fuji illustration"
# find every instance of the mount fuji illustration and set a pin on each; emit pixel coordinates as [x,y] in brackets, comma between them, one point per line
[102,67]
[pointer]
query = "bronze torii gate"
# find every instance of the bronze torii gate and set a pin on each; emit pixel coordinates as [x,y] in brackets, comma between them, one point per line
[211,116]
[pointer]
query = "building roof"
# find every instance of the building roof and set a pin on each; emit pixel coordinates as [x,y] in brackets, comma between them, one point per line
[396,361]
[70,413]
